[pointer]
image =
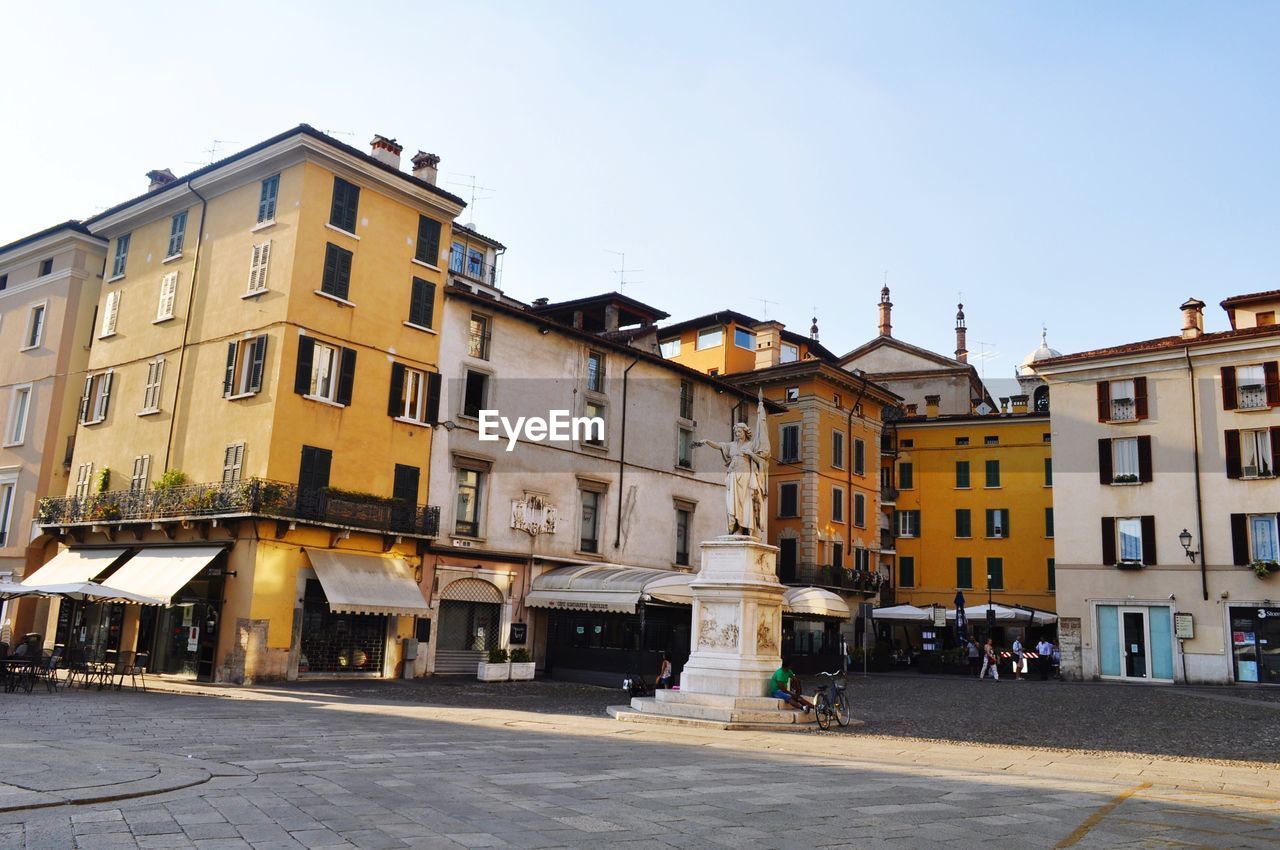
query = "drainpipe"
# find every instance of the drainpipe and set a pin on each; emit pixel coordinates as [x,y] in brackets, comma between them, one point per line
[622,454]
[1195,448]
[848,465]
[186,321]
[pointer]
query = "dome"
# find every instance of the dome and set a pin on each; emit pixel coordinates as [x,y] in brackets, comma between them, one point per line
[1044,352]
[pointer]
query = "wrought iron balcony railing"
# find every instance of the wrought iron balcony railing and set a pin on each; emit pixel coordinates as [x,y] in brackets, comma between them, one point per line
[473,267]
[866,581]
[250,496]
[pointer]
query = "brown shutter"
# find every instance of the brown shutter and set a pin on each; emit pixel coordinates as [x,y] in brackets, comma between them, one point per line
[1228,388]
[1105,475]
[1144,458]
[433,397]
[1149,540]
[302,375]
[395,401]
[1239,540]
[1140,397]
[1271,372]
[1233,453]
[1109,541]
[1104,401]
[1275,448]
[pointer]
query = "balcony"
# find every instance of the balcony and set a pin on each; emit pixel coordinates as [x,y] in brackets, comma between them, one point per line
[251,497]
[473,267]
[888,495]
[1123,410]
[887,540]
[841,578]
[1252,397]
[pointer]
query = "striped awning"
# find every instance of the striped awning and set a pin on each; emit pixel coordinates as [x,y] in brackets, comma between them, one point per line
[74,565]
[368,584]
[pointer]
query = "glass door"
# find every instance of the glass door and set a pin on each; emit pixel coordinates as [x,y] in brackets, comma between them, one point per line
[1137,661]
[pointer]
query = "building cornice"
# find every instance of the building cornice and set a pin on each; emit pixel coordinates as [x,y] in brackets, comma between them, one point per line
[58,240]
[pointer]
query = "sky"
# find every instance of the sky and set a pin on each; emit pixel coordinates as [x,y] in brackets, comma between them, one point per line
[1084,165]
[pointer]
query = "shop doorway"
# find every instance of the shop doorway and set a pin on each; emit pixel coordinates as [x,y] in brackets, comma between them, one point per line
[1137,662]
[470,623]
[339,643]
[183,638]
[1255,644]
[1135,643]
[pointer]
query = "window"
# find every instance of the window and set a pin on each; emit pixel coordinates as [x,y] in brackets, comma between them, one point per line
[168,294]
[475,264]
[962,441]
[1122,401]
[670,347]
[964,572]
[96,398]
[427,249]
[995,573]
[837,504]
[478,337]
[859,457]
[267,199]
[744,338]
[19,411]
[962,474]
[907,444]
[590,521]
[790,443]
[684,448]
[837,449]
[908,523]
[4,282]
[422,303]
[346,202]
[906,572]
[859,510]
[177,235]
[337,272]
[141,478]
[259,262]
[151,393]
[1128,540]
[313,477]
[713,372]
[997,522]
[1048,522]
[906,476]
[792,394]
[686,400]
[232,463]
[1251,387]
[1264,318]
[710,338]
[594,436]
[1125,460]
[246,362]
[1251,453]
[1046,437]
[415,394]
[835,399]
[7,491]
[110,314]
[84,480]
[1130,532]
[789,499]
[1048,472]
[861,559]
[467,512]
[790,353]
[993,473]
[122,256]
[990,441]
[475,393]
[46,267]
[837,554]
[684,516]
[595,371]
[35,327]
[964,523]
[1254,539]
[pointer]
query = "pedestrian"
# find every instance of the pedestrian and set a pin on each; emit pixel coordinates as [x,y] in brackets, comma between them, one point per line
[664,673]
[989,661]
[975,658]
[1045,650]
[1017,659]
[786,686]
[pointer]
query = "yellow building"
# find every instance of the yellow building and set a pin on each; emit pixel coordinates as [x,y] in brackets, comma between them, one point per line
[726,342]
[265,339]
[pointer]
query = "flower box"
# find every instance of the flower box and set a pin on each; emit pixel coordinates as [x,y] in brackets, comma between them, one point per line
[493,672]
[523,671]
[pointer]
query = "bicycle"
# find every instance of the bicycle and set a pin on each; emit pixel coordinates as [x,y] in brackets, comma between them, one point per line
[830,701]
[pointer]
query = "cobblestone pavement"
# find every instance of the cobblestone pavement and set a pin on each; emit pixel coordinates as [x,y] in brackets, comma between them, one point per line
[330,766]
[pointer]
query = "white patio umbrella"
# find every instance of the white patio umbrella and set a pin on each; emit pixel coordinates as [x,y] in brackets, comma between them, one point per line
[78,591]
[907,613]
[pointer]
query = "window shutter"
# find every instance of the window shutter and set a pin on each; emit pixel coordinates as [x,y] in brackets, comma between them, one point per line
[258,266]
[344,275]
[302,377]
[86,398]
[1275,446]
[168,292]
[405,484]
[433,397]
[395,400]
[1144,458]
[346,376]
[112,313]
[1140,397]
[1271,373]
[314,472]
[1104,401]
[1109,541]
[1004,522]
[991,523]
[1149,540]
[428,248]
[1232,444]
[1239,540]
[421,302]
[104,395]
[1228,388]
[229,376]
[1105,475]
[259,363]
[329,279]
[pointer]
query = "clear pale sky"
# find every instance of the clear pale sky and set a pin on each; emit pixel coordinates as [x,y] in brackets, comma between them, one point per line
[1088,165]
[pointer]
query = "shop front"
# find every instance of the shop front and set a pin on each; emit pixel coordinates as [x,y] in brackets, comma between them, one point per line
[1135,642]
[1255,643]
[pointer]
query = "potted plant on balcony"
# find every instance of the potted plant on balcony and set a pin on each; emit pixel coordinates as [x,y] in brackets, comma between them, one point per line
[522,665]
[1127,478]
[497,668]
[1262,569]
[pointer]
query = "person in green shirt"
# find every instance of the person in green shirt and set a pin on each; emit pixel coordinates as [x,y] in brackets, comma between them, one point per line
[785,685]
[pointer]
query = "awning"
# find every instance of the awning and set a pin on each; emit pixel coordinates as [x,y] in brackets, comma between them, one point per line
[978,613]
[74,565]
[613,588]
[814,602]
[909,613]
[368,584]
[162,571]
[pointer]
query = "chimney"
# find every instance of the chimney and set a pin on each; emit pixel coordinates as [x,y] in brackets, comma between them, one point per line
[931,406]
[911,409]
[426,166]
[1018,403]
[541,302]
[386,151]
[1004,405]
[159,177]
[813,329]
[610,317]
[768,344]
[962,353]
[1192,318]
[886,307]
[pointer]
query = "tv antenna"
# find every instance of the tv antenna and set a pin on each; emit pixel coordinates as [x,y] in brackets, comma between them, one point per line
[211,152]
[622,269]
[766,302]
[337,132]
[984,356]
[475,189]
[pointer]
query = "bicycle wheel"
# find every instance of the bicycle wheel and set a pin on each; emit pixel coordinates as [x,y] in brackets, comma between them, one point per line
[822,710]
[842,710]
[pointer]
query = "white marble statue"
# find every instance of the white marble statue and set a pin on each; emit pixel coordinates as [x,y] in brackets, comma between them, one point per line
[746,462]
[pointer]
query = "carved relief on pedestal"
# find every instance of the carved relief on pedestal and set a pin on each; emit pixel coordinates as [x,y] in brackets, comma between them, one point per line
[766,640]
[718,628]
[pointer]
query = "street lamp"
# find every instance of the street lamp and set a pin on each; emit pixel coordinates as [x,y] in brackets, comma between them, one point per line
[1185,539]
[991,611]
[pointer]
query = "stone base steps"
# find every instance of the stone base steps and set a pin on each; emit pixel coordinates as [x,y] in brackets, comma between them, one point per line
[627,714]
[773,712]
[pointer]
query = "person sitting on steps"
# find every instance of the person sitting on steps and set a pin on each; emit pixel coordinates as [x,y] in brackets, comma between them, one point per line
[784,685]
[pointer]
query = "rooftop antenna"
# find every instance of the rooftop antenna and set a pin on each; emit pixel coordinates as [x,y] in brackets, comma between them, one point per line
[622,269]
[337,132]
[475,188]
[983,356]
[211,152]
[766,302]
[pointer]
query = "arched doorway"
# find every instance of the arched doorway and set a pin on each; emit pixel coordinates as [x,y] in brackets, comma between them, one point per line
[468,625]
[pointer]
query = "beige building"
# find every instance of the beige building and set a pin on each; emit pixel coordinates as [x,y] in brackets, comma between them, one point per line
[1166,499]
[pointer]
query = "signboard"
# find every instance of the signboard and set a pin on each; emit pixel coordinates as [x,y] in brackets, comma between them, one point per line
[533,515]
[1183,627]
[519,633]
[193,638]
[940,617]
[462,544]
